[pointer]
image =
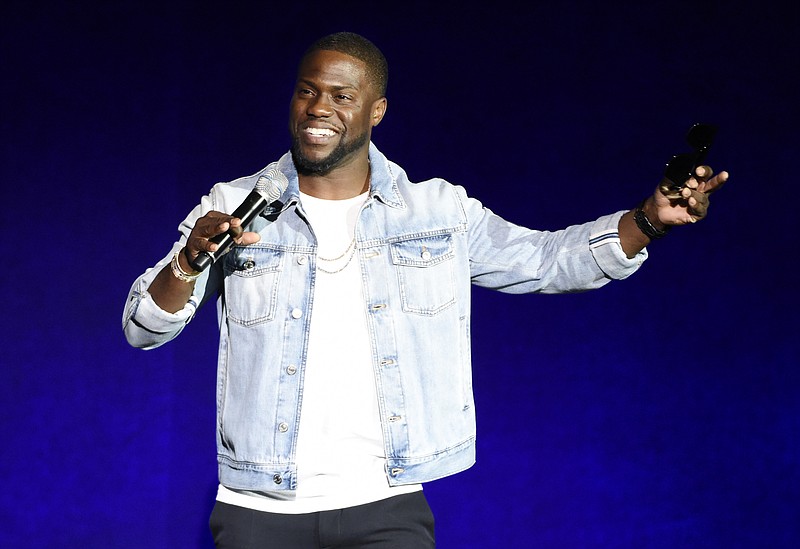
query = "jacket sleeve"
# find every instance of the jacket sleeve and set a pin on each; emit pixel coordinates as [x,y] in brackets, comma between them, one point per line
[144,323]
[515,259]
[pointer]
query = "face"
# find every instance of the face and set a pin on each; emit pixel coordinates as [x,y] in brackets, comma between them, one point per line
[332,112]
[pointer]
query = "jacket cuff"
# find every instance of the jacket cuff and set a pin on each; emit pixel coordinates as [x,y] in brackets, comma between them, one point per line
[607,250]
[155,319]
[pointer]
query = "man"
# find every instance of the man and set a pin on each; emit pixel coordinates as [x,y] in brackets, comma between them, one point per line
[344,376]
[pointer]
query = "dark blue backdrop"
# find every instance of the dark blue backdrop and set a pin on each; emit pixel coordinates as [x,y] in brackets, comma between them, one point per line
[663,411]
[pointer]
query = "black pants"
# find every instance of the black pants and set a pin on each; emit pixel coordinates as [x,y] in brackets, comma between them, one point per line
[399,522]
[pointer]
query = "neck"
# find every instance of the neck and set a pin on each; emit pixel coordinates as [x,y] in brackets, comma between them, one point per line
[342,183]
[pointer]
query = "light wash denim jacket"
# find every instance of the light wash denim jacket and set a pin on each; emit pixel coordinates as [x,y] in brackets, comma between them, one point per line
[421,246]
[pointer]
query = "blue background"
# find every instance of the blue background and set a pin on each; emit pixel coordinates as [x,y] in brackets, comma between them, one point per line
[662,411]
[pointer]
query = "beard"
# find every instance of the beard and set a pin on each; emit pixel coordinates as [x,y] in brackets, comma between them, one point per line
[323,166]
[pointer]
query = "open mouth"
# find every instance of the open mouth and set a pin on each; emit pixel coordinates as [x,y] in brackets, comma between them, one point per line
[319,132]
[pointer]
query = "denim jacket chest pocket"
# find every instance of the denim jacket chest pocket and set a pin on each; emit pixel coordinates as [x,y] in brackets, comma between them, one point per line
[425,273]
[252,275]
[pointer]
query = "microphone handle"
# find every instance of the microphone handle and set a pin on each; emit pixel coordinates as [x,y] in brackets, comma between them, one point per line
[254,204]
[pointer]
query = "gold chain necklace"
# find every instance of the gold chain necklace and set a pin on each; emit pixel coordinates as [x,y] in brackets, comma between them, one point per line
[351,248]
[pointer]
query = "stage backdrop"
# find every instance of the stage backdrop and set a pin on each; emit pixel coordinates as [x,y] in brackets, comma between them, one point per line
[662,411]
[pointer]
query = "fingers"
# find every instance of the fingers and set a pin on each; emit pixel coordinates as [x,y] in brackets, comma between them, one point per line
[696,205]
[705,180]
[716,183]
[212,224]
[205,228]
[704,172]
[248,238]
[698,181]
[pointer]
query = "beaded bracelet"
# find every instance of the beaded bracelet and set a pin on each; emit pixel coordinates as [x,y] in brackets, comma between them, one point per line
[178,271]
[646,226]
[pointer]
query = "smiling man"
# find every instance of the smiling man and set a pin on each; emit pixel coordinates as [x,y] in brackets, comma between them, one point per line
[344,373]
[334,108]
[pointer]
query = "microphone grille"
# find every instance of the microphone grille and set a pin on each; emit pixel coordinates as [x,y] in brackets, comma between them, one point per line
[272,183]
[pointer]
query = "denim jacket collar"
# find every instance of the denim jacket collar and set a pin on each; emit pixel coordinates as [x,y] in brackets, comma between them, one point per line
[383,182]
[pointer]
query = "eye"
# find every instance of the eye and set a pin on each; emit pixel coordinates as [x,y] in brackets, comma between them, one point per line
[304,92]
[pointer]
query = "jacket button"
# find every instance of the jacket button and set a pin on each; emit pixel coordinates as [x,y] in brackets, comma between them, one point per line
[249,264]
[302,260]
[296,313]
[277,479]
[283,427]
[291,369]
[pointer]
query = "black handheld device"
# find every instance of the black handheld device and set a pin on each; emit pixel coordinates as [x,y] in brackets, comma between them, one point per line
[682,166]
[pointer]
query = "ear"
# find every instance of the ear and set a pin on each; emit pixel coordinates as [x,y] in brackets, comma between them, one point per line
[378,111]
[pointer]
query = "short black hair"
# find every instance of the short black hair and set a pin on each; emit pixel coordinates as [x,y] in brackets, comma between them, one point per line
[357,46]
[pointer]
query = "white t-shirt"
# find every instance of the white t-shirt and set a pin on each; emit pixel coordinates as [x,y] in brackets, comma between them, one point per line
[340,454]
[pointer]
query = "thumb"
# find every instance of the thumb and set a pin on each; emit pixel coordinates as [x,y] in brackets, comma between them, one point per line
[248,238]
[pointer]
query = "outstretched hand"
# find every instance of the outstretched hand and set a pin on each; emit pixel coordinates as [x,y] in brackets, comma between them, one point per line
[690,204]
[667,207]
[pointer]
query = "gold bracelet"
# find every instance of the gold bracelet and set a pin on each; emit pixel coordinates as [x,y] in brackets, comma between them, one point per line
[178,271]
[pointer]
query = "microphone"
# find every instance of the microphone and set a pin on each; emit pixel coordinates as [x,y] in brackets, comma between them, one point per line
[268,189]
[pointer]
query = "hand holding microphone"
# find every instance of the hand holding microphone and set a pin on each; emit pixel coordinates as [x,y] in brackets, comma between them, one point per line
[211,229]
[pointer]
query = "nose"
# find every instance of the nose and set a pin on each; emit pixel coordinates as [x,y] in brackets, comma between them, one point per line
[319,107]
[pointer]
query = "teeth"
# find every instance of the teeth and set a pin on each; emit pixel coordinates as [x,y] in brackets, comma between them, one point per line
[320,132]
